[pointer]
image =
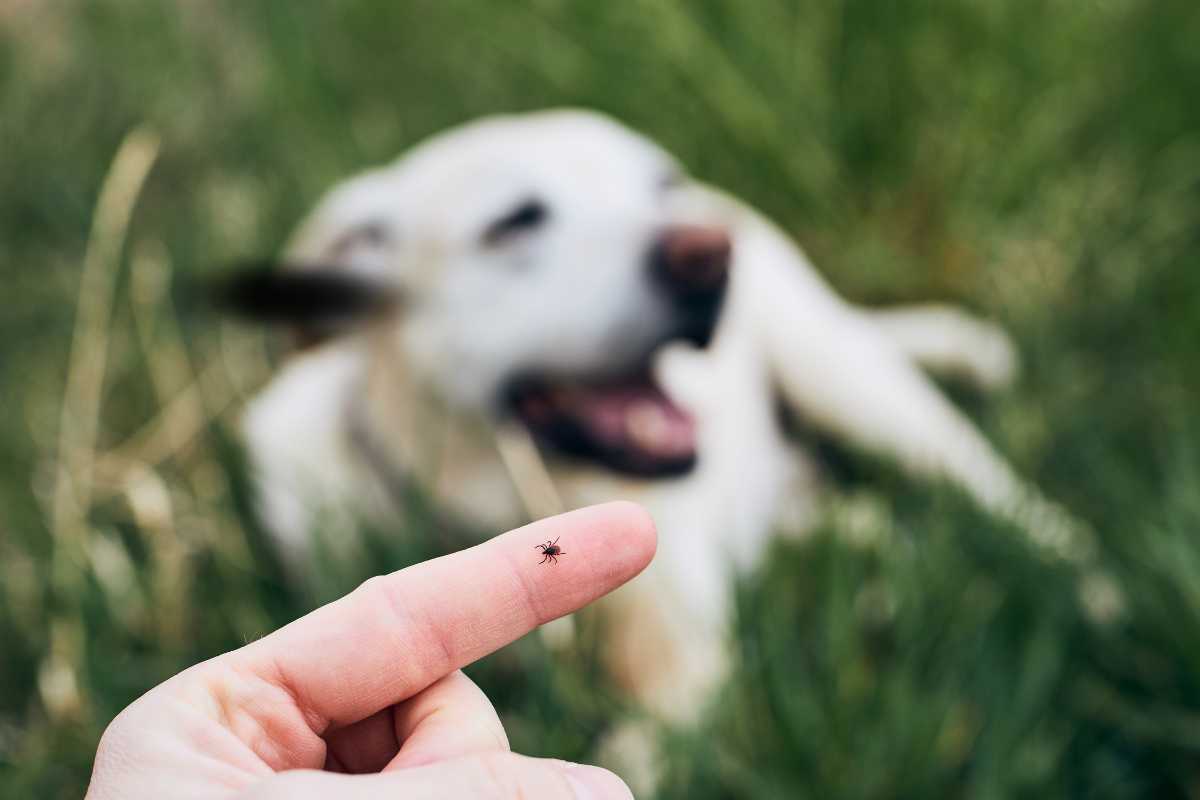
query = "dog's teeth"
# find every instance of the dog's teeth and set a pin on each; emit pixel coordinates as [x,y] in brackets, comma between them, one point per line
[647,424]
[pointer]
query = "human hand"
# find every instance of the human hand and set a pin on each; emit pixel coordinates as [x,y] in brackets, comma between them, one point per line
[362,698]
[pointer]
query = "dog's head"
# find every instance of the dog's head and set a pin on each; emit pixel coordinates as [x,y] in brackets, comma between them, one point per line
[537,263]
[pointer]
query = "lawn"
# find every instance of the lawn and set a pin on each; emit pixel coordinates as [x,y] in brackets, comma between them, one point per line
[1035,160]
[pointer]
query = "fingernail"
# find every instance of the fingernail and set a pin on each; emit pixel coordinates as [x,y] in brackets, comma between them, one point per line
[593,783]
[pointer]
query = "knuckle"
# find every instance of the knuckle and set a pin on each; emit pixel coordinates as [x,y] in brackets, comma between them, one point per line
[374,589]
[429,641]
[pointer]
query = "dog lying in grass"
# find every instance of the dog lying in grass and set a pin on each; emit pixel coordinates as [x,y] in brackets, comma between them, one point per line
[536,312]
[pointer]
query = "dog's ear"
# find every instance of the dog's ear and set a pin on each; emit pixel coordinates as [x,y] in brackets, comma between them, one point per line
[316,302]
[338,269]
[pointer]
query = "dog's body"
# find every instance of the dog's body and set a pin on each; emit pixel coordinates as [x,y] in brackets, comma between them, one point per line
[547,264]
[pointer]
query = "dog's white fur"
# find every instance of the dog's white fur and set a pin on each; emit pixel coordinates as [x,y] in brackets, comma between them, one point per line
[409,397]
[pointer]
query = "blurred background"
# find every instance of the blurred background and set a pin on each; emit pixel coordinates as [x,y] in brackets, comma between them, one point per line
[1037,161]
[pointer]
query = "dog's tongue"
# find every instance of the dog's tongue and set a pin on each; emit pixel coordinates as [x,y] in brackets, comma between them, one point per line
[630,425]
[636,417]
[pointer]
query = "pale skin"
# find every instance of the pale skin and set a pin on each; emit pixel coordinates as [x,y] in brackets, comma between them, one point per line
[363,698]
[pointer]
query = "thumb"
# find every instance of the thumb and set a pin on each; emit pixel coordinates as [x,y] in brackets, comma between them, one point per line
[497,775]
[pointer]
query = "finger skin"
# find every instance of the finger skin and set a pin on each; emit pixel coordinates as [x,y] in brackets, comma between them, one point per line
[492,775]
[397,634]
[450,719]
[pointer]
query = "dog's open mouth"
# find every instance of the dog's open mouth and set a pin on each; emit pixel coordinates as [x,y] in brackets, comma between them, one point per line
[626,424]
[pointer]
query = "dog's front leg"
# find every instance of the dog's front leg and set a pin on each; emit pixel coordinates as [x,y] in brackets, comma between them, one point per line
[948,341]
[842,374]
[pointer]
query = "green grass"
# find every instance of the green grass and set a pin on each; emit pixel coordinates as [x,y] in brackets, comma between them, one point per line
[1038,161]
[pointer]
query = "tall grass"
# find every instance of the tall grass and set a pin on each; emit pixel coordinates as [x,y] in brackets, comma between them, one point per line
[1038,161]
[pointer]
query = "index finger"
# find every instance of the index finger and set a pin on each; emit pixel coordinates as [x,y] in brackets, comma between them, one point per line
[397,634]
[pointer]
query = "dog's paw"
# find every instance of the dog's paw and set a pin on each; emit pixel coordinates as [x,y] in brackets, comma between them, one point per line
[685,373]
[991,362]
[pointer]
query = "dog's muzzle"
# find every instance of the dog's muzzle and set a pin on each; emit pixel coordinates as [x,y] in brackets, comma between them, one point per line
[690,263]
[627,422]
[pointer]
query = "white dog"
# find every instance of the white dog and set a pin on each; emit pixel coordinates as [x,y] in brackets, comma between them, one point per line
[563,318]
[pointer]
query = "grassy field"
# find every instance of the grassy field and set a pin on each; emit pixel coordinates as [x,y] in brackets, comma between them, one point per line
[1036,160]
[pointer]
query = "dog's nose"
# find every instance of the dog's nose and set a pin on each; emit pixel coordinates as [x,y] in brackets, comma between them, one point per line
[692,261]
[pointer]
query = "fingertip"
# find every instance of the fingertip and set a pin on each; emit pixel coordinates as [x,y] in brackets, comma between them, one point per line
[638,529]
[625,531]
[621,526]
[602,547]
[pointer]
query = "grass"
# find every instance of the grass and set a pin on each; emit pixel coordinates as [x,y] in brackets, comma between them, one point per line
[1038,161]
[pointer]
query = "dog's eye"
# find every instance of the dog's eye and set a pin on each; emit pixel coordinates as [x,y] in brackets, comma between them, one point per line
[370,235]
[672,178]
[526,216]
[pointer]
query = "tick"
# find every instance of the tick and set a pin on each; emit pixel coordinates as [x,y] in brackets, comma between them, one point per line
[550,552]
